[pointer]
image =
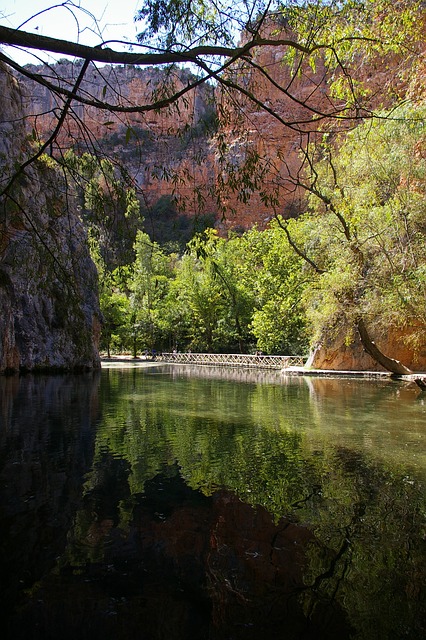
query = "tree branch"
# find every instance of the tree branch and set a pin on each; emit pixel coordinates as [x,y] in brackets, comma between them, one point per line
[395,366]
[19,38]
[16,37]
[296,249]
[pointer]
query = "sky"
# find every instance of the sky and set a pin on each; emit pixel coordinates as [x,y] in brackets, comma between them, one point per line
[109,20]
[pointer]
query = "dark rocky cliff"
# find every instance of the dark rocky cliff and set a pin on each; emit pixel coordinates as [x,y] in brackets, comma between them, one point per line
[50,315]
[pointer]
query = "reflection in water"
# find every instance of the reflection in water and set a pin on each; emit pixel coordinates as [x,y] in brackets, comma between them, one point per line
[156,504]
[46,445]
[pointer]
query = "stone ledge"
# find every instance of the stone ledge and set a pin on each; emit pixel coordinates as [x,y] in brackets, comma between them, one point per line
[329,373]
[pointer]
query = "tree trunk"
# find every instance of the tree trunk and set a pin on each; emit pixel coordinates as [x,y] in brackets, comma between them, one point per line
[372,349]
[421,382]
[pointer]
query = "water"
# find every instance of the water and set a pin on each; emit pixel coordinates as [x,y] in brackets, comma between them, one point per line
[187,503]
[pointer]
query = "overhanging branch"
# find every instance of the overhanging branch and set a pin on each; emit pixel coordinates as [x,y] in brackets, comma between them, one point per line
[99,53]
[16,37]
[392,365]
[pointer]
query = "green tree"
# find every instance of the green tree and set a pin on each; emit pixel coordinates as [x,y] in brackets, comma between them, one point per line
[152,273]
[114,302]
[217,300]
[242,293]
[364,232]
[278,280]
[200,293]
[109,204]
[223,260]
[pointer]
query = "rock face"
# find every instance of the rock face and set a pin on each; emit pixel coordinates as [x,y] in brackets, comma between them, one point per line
[172,151]
[169,151]
[50,316]
[163,151]
[335,353]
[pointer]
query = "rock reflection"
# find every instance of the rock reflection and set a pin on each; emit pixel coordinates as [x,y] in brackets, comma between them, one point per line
[158,506]
[187,566]
[46,445]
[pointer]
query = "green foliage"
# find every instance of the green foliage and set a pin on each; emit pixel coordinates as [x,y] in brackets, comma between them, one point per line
[149,288]
[109,204]
[365,228]
[278,282]
[131,141]
[223,295]
[171,228]
[201,292]
[114,303]
[347,35]
[178,22]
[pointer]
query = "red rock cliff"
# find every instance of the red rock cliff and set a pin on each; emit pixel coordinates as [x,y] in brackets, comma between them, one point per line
[167,151]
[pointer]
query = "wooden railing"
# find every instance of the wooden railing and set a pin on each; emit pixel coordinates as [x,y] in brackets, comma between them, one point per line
[234,360]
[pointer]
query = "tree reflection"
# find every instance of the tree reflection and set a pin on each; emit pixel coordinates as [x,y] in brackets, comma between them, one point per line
[214,509]
[367,519]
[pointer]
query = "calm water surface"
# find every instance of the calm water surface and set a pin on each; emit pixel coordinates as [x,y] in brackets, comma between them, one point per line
[194,503]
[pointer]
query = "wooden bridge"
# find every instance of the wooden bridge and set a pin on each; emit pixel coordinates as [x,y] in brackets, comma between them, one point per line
[233,360]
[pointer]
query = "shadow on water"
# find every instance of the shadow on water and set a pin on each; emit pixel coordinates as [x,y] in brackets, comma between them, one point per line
[156,505]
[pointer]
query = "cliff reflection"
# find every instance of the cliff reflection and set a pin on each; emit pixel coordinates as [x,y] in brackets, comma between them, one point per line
[183,566]
[206,508]
[46,445]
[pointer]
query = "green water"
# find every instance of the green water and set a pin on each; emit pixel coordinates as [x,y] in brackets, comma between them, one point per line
[177,502]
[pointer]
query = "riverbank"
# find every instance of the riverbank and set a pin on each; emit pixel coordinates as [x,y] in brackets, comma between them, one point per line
[128,362]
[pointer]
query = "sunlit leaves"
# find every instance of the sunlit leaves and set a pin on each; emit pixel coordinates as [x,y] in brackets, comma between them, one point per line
[375,185]
[179,23]
[351,35]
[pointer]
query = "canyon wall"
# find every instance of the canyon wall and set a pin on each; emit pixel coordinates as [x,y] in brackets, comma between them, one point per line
[337,353]
[164,151]
[50,316]
[183,150]
[172,152]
